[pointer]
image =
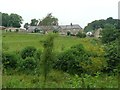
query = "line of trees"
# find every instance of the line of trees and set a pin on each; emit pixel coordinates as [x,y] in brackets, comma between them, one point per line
[12,20]
[103,23]
[46,21]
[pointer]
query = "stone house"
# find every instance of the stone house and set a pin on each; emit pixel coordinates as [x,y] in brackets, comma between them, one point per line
[42,29]
[97,33]
[72,29]
[61,29]
[2,28]
[12,29]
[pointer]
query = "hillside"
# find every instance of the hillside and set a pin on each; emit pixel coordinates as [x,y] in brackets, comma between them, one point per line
[33,78]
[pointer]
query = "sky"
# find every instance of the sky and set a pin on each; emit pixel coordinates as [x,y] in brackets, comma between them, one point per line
[79,12]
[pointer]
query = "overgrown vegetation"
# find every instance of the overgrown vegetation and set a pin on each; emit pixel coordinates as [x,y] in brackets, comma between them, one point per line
[94,25]
[47,57]
[81,64]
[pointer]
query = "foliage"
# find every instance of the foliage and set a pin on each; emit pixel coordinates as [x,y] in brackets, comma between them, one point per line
[34,22]
[12,20]
[59,80]
[37,55]
[101,24]
[36,30]
[69,61]
[9,60]
[47,58]
[55,31]
[26,25]
[29,63]
[49,20]
[112,56]
[5,19]
[81,35]
[28,52]
[109,35]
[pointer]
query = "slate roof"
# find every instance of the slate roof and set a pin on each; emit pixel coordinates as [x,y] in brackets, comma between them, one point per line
[63,27]
[75,26]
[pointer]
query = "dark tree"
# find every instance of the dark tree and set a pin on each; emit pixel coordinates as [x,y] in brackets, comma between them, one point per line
[34,22]
[15,20]
[26,26]
[49,20]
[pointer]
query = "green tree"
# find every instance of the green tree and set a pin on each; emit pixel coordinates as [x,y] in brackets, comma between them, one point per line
[15,20]
[47,58]
[109,34]
[49,20]
[112,56]
[34,22]
[5,19]
[12,20]
[81,35]
[101,24]
[26,25]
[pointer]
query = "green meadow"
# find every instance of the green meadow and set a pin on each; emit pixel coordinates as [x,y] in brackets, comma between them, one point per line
[15,42]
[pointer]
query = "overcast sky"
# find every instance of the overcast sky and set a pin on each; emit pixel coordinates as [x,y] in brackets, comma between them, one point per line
[79,12]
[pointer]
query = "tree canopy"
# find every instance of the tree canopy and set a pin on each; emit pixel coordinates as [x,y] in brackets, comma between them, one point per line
[26,25]
[49,20]
[102,24]
[12,20]
[34,22]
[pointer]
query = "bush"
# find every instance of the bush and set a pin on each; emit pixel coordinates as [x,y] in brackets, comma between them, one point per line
[9,60]
[28,52]
[70,60]
[17,30]
[109,35]
[37,54]
[29,63]
[81,35]
[112,56]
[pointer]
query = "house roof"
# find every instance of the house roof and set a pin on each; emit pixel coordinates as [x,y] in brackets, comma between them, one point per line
[31,28]
[75,26]
[64,27]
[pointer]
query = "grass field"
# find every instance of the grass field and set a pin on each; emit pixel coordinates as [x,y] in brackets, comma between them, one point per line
[57,79]
[17,41]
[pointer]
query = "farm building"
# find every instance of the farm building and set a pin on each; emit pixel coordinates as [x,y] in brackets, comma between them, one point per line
[13,29]
[2,27]
[62,29]
[97,33]
[42,29]
[72,29]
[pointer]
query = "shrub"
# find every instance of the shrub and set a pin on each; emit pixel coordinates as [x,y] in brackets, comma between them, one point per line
[69,61]
[109,35]
[9,60]
[28,52]
[37,54]
[29,63]
[81,35]
[17,30]
[112,56]
[47,57]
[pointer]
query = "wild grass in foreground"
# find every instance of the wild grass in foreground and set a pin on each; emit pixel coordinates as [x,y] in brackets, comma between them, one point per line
[57,79]
[72,53]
